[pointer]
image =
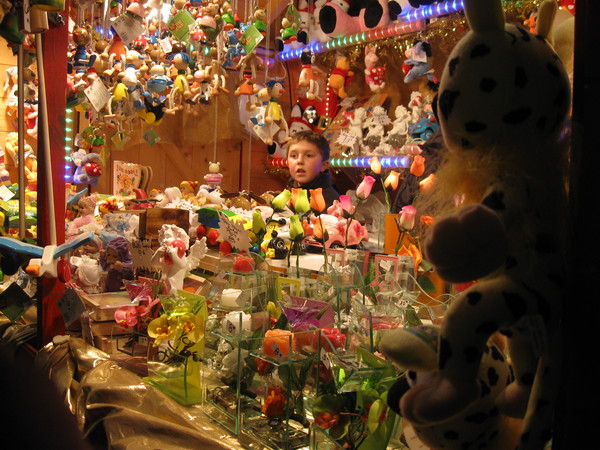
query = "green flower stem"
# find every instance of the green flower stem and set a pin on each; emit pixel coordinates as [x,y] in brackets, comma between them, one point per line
[324,246]
[387,196]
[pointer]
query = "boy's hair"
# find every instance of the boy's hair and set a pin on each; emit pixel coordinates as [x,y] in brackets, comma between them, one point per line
[314,138]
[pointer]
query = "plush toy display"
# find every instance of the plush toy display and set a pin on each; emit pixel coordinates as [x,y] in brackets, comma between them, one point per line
[340,18]
[504,97]
[341,76]
[479,426]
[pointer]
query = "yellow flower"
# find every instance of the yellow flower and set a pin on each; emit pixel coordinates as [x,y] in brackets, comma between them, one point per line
[281,200]
[296,229]
[301,204]
[161,329]
[193,326]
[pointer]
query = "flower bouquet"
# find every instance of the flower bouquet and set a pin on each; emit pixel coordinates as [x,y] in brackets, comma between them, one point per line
[178,334]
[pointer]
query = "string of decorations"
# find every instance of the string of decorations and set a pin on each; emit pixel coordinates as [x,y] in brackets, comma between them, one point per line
[448,20]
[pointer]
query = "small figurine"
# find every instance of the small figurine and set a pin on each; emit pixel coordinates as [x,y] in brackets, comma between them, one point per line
[171,256]
[341,76]
[213,178]
[117,261]
[273,112]
[374,73]
[85,221]
[307,76]
[417,65]
[89,168]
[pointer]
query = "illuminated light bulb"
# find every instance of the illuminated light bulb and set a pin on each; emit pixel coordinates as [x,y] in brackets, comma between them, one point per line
[375,165]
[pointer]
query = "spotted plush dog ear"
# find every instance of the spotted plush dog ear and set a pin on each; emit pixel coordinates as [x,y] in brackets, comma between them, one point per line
[484,16]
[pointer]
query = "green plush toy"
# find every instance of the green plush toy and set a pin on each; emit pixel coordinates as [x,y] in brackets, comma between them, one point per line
[503,100]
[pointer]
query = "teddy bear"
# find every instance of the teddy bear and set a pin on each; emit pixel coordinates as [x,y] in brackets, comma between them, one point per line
[341,76]
[415,350]
[503,101]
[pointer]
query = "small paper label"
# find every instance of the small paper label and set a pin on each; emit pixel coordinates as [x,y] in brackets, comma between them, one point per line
[230,327]
[251,38]
[97,94]
[276,351]
[128,28]
[180,25]
[5,193]
[325,359]
[346,139]
[70,306]
[151,137]
[165,45]
[381,119]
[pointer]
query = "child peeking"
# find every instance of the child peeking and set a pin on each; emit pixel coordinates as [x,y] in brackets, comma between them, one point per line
[308,161]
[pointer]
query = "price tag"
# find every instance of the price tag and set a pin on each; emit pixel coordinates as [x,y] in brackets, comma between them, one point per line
[234,233]
[381,119]
[325,359]
[151,137]
[385,265]
[277,351]
[141,254]
[97,94]
[230,327]
[128,28]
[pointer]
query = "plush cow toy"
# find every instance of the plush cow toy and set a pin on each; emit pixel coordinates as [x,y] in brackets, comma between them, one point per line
[503,100]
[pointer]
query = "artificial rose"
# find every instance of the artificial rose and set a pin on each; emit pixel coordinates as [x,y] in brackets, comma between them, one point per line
[258,223]
[375,165]
[275,403]
[407,217]
[417,168]
[427,184]
[332,338]
[317,201]
[392,180]
[281,201]
[317,229]
[296,229]
[301,204]
[413,251]
[346,203]
[427,220]
[364,188]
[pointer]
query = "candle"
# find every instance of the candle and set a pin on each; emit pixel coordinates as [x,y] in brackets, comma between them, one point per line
[232,299]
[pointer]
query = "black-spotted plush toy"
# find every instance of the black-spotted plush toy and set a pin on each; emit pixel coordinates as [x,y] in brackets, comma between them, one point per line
[503,101]
[477,427]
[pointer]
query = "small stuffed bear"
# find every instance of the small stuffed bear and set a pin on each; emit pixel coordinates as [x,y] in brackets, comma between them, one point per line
[479,426]
[503,100]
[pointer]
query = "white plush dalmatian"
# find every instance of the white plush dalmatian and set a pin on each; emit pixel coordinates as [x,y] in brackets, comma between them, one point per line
[503,100]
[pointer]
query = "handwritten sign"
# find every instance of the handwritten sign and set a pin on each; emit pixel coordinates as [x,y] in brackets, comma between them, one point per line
[141,253]
[234,233]
[346,139]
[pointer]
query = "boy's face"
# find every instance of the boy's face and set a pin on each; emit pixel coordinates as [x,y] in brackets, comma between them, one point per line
[305,162]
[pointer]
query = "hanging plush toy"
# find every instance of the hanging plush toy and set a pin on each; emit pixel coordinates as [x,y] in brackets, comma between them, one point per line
[341,76]
[374,72]
[307,77]
[342,18]
[417,64]
[504,97]
[89,169]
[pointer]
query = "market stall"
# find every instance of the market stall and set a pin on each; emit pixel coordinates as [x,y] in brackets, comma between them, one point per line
[291,225]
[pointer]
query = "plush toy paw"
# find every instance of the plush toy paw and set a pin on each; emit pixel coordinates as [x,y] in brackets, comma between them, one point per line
[513,400]
[438,400]
[467,245]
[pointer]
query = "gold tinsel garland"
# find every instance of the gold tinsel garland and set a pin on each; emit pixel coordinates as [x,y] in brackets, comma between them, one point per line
[443,32]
